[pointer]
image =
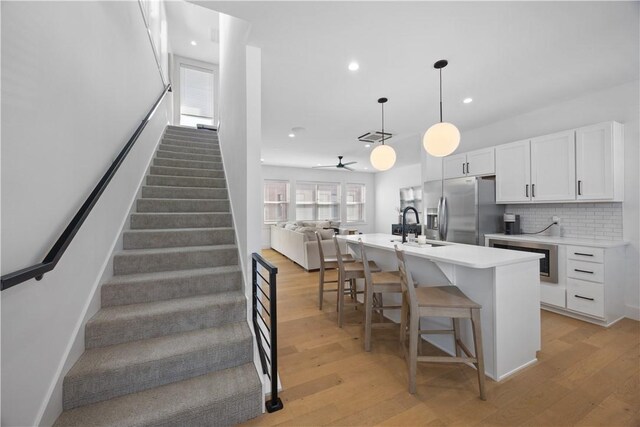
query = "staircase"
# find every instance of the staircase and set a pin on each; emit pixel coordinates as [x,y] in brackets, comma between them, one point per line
[170,344]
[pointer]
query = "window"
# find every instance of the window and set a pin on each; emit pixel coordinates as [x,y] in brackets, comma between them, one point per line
[196,96]
[317,201]
[355,202]
[276,201]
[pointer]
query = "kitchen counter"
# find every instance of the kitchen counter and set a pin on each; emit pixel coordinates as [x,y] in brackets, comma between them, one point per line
[451,253]
[559,240]
[506,283]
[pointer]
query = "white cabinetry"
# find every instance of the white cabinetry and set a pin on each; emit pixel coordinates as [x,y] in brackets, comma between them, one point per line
[553,170]
[513,172]
[599,162]
[473,163]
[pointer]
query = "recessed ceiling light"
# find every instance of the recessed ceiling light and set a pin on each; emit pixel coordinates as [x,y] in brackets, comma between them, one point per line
[292,135]
[467,100]
[367,145]
[262,160]
[365,168]
[193,43]
[319,164]
[354,66]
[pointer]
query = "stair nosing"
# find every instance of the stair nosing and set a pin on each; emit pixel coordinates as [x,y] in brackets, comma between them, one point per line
[136,252]
[135,277]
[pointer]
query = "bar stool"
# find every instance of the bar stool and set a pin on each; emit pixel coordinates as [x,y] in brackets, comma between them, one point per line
[327,265]
[438,301]
[349,272]
[375,285]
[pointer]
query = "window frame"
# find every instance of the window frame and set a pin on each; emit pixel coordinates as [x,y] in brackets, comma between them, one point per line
[363,219]
[266,202]
[316,204]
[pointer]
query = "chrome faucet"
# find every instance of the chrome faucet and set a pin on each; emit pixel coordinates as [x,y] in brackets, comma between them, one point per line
[404,221]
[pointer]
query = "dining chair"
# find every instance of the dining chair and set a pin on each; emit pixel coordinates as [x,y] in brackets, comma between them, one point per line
[437,301]
[328,266]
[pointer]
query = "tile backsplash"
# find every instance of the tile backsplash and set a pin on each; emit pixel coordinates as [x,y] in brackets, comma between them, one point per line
[601,221]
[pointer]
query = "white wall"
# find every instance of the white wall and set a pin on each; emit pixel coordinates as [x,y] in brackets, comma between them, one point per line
[388,185]
[619,103]
[77,78]
[294,175]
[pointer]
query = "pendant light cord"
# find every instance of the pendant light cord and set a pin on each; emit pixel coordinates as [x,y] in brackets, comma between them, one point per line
[440,95]
[382,123]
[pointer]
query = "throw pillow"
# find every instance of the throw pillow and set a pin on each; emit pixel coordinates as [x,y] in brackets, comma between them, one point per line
[290,226]
[327,234]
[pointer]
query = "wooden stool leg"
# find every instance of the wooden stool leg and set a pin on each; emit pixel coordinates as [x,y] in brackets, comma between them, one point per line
[340,299]
[403,320]
[477,342]
[321,288]
[456,335]
[413,351]
[368,314]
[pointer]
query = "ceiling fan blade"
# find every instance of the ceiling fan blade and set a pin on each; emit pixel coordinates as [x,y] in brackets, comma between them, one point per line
[347,168]
[349,163]
[325,166]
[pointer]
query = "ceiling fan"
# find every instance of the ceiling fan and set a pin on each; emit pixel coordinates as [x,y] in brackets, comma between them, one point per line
[340,165]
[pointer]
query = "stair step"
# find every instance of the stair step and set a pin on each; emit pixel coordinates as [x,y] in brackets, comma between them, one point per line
[179,237]
[192,150]
[186,181]
[189,143]
[108,372]
[187,156]
[204,173]
[168,259]
[221,398]
[166,192]
[191,137]
[126,323]
[176,163]
[148,287]
[182,205]
[146,221]
[191,131]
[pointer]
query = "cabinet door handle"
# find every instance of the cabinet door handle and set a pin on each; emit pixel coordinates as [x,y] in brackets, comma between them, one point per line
[462,168]
[579,188]
[467,167]
[583,271]
[582,254]
[533,190]
[581,297]
[526,190]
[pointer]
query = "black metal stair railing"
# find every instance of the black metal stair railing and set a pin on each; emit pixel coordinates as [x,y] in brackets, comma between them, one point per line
[265,323]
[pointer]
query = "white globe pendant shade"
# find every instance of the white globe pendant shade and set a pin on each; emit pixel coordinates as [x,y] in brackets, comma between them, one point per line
[441,139]
[383,157]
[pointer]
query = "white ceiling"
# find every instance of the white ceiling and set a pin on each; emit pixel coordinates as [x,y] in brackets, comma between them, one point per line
[187,22]
[510,57]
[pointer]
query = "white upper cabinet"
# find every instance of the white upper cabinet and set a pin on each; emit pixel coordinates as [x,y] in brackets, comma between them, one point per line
[553,167]
[472,163]
[481,162]
[513,172]
[455,166]
[600,162]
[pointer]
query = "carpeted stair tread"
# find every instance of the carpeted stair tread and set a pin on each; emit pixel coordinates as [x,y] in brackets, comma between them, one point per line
[180,258]
[183,205]
[155,220]
[221,398]
[177,237]
[192,150]
[169,171]
[186,181]
[176,163]
[125,323]
[186,142]
[164,285]
[184,137]
[161,154]
[181,192]
[107,372]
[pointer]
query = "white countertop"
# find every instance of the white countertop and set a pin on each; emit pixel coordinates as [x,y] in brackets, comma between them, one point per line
[559,240]
[452,253]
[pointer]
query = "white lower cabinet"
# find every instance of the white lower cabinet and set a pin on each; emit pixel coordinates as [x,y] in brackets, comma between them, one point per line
[585,297]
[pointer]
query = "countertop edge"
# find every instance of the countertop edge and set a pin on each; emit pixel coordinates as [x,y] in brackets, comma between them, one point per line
[570,241]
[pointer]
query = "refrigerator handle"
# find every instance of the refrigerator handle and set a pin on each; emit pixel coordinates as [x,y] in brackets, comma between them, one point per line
[443,218]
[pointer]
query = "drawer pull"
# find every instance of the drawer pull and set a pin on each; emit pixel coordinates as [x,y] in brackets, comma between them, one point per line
[582,254]
[581,297]
[582,271]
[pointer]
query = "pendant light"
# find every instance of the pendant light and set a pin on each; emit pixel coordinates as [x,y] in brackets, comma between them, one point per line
[442,138]
[383,157]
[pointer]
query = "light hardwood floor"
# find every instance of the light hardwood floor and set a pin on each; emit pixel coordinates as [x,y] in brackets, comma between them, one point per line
[586,375]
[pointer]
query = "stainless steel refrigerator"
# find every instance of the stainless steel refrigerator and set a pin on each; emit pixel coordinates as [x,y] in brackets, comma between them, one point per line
[465,214]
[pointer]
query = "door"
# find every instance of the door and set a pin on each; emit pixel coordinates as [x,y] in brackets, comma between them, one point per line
[462,202]
[513,172]
[481,162]
[594,161]
[455,166]
[553,167]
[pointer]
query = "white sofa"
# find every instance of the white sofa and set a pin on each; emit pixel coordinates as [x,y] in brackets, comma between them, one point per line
[300,248]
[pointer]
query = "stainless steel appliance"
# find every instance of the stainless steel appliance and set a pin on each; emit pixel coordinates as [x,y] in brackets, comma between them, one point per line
[465,214]
[548,264]
[511,224]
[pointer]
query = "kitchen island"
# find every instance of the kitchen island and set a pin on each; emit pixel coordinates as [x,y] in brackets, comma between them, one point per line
[506,284]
